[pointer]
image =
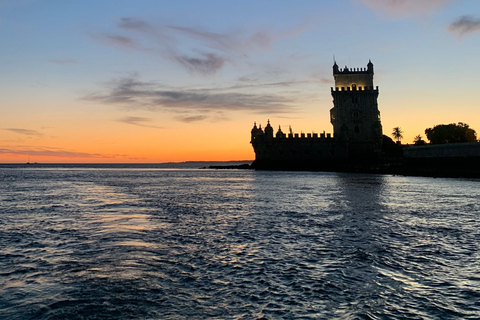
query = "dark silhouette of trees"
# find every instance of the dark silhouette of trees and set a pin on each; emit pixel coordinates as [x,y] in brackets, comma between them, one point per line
[397,134]
[418,141]
[390,148]
[451,133]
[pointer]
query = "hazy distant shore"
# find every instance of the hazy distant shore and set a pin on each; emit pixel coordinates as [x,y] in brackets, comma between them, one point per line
[164,165]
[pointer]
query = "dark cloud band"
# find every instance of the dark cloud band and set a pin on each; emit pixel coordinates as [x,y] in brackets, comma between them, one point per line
[134,94]
[464,25]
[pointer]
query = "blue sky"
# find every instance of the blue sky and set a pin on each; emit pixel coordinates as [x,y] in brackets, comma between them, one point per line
[155,81]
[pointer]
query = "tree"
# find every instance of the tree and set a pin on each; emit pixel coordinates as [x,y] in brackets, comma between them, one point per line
[418,141]
[390,148]
[451,133]
[397,134]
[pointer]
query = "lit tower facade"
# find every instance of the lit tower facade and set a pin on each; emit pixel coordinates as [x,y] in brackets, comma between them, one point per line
[355,116]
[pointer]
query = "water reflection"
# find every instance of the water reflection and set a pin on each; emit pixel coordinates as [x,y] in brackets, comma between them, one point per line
[358,243]
[238,244]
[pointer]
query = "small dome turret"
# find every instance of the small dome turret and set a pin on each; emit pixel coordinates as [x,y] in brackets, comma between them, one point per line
[279,133]
[255,132]
[269,130]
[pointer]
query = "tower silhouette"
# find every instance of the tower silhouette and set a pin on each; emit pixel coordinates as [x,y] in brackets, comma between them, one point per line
[355,116]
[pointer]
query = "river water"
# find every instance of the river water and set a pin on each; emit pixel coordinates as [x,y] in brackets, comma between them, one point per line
[146,243]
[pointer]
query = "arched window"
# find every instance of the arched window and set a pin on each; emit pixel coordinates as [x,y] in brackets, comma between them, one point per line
[357,129]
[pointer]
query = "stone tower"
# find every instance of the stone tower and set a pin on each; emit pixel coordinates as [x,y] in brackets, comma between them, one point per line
[355,116]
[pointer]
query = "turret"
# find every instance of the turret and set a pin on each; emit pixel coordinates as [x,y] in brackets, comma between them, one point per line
[280,133]
[268,130]
[335,67]
[370,67]
[255,132]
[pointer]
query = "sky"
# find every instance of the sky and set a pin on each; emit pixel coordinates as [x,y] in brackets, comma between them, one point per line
[149,81]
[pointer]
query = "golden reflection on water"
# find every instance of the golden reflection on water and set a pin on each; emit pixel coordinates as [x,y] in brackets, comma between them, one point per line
[127,222]
[137,243]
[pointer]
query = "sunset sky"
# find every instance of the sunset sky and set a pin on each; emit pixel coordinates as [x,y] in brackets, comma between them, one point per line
[160,81]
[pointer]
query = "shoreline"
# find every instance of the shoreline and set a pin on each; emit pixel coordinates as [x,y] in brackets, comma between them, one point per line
[416,169]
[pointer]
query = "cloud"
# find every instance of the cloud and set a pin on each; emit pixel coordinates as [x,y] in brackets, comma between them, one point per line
[246,79]
[191,118]
[138,121]
[246,83]
[405,8]
[134,24]
[209,63]
[133,94]
[51,152]
[198,50]
[26,132]
[117,41]
[233,42]
[464,25]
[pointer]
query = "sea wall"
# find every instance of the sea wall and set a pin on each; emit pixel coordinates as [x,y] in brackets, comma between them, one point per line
[451,150]
[443,160]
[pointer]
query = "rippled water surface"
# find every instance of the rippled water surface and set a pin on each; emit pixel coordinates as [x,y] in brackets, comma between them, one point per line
[100,243]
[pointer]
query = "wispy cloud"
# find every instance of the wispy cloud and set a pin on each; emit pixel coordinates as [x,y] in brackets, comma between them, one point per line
[118,41]
[51,152]
[234,42]
[134,24]
[255,83]
[198,50]
[191,118]
[404,8]
[465,24]
[206,63]
[138,121]
[25,132]
[133,94]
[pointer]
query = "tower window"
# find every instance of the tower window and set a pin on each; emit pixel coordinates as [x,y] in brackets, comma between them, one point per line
[357,129]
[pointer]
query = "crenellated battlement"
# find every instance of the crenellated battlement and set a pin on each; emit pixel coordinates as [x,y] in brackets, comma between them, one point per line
[347,70]
[307,136]
[355,88]
[259,134]
[351,71]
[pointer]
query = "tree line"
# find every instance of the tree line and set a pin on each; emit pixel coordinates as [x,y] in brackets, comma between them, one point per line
[442,133]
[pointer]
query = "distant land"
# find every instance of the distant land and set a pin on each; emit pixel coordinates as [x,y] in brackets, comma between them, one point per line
[165,165]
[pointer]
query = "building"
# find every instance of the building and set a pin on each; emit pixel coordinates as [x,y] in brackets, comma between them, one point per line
[357,130]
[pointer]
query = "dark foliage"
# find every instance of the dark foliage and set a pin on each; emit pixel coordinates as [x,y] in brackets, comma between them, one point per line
[418,141]
[390,148]
[451,133]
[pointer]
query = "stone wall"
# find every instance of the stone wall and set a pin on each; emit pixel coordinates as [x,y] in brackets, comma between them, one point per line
[451,150]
